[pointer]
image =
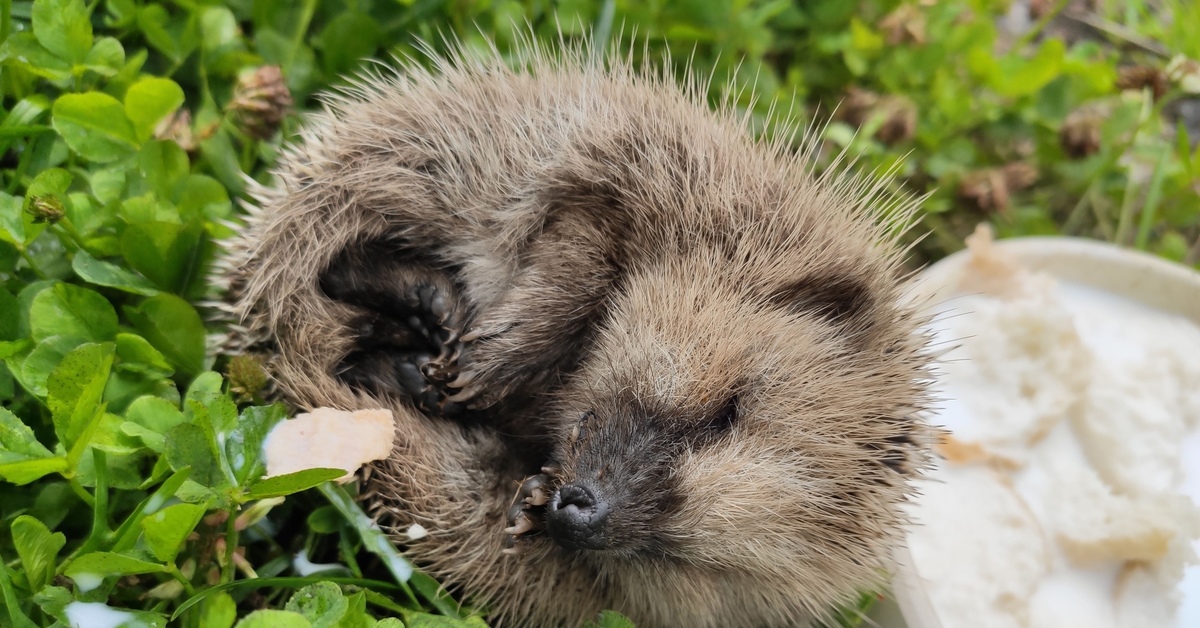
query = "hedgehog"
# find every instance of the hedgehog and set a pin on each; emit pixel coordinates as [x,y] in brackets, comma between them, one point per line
[640,358]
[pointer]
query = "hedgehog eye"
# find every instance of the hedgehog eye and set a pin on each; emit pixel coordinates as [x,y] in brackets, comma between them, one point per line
[725,417]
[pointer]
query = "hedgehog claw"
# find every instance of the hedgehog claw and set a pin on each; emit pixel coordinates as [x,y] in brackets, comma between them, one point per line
[465,394]
[524,515]
[462,380]
[515,550]
[537,497]
[523,525]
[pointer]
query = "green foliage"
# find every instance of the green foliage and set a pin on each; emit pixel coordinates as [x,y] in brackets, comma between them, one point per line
[131,476]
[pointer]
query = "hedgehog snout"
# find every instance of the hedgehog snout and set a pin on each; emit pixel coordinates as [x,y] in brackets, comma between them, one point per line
[577,516]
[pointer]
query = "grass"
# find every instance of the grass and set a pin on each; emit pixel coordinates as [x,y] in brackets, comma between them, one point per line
[128,450]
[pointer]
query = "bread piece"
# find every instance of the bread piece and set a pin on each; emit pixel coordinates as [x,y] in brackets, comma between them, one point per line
[977,548]
[328,438]
[996,272]
[1142,600]
[1094,525]
[1020,369]
[1131,430]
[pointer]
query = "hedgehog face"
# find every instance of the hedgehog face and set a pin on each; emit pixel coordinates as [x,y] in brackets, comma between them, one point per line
[719,429]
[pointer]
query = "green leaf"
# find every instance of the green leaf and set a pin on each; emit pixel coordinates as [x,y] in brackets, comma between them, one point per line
[221,155]
[69,310]
[25,471]
[324,520]
[40,362]
[167,530]
[150,100]
[321,603]
[75,390]
[155,416]
[106,57]
[12,219]
[10,316]
[152,21]
[389,622]
[95,126]
[273,619]
[38,549]
[17,441]
[162,251]
[130,530]
[90,569]
[290,483]
[611,619]
[22,458]
[108,274]
[213,411]
[1021,77]
[137,355]
[162,164]
[356,615]
[200,196]
[218,611]
[433,592]
[205,384]
[174,328]
[244,443]
[52,181]
[413,619]
[219,28]
[53,601]
[16,618]
[376,542]
[63,27]
[24,51]
[108,184]
[348,39]
[188,446]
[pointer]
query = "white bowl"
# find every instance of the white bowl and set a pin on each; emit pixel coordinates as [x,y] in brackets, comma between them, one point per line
[1131,275]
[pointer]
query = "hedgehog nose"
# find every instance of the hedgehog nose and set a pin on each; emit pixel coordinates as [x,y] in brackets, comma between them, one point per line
[577,518]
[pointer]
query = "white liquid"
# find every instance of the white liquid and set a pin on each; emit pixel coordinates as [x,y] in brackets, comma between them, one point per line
[98,615]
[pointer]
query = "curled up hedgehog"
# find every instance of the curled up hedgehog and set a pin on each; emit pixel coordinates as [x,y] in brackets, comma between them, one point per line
[637,359]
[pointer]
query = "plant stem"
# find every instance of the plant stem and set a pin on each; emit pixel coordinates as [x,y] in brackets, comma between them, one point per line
[1041,24]
[100,531]
[310,8]
[18,618]
[5,19]
[231,543]
[32,266]
[178,575]
[82,492]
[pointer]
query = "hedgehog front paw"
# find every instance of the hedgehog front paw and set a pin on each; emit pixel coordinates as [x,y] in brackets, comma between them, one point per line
[407,339]
[527,514]
[486,346]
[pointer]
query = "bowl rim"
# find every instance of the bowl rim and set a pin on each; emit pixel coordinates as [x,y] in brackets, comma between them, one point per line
[1132,274]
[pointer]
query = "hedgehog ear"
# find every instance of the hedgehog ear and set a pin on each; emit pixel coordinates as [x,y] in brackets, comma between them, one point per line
[836,298]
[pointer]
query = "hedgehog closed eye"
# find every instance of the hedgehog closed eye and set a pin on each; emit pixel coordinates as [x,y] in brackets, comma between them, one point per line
[726,417]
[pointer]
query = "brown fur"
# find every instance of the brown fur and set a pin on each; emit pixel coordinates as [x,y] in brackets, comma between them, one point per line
[725,322]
